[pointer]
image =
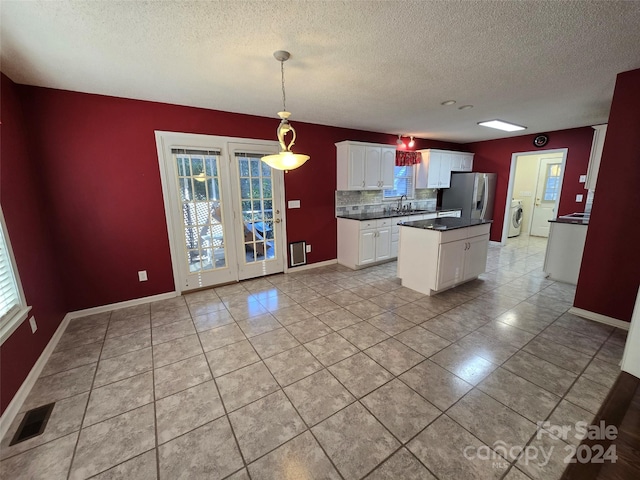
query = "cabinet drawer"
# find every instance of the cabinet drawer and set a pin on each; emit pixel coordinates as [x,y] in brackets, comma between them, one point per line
[453,235]
[366,224]
[384,222]
[478,230]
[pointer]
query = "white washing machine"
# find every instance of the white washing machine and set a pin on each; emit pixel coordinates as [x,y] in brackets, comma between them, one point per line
[515,218]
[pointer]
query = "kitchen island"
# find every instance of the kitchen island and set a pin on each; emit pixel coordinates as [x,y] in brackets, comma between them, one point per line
[435,255]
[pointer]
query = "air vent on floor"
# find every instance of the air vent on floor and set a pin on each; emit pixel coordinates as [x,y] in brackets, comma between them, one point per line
[33,423]
[297,253]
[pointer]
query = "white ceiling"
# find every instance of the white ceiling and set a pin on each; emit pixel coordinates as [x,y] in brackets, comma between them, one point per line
[383,66]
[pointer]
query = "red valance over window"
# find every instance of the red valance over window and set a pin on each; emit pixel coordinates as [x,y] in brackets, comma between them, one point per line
[404,158]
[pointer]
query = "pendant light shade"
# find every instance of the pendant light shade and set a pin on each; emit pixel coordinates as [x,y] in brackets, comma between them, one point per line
[286,159]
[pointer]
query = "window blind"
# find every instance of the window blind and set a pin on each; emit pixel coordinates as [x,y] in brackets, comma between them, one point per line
[9,295]
[189,151]
[402,182]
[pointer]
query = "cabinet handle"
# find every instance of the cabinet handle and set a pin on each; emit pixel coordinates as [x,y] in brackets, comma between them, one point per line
[363,183]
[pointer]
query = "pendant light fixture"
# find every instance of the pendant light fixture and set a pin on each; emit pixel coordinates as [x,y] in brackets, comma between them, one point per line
[286,159]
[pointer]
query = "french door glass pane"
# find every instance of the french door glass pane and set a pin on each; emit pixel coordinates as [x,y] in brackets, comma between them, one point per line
[256,199]
[199,186]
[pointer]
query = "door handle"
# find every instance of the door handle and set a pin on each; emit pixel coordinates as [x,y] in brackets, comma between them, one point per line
[277,220]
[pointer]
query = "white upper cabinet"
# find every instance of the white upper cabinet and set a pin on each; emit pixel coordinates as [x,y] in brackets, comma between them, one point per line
[461,162]
[600,131]
[364,166]
[436,166]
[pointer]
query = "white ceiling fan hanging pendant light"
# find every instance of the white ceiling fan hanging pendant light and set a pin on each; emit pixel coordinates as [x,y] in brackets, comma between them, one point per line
[286,159]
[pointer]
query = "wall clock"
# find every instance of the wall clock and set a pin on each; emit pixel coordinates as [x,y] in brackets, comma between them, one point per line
[541,140]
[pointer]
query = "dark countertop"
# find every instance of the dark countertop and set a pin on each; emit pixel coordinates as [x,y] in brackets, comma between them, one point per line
[445,223]
[379,215]
[573,221]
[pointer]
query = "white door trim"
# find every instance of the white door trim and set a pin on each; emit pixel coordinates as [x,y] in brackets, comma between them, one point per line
[165,140]
[512,178]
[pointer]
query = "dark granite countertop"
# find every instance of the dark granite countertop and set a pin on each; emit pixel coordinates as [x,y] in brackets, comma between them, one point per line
[445,223]
[380,215]
[573,221]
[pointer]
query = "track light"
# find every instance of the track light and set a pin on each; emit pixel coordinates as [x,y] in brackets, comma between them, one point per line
[412,143]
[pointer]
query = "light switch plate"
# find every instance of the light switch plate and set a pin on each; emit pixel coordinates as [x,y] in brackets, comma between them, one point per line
[308,248]
[583,178]
[293,203]
[579,197]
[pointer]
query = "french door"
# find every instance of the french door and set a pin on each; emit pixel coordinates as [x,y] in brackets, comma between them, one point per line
[224,208]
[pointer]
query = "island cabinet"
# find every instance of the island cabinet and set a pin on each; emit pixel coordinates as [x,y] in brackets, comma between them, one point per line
[432,260]
[364,166]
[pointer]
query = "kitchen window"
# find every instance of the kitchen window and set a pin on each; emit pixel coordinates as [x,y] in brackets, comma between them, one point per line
[13,309]
[403,183]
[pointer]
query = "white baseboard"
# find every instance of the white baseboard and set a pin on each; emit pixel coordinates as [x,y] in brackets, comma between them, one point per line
[127,303]
[597,317]
[497,244]
[311,265]
[21,395]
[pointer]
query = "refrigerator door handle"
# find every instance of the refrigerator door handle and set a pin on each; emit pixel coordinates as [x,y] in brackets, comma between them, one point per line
[485,200]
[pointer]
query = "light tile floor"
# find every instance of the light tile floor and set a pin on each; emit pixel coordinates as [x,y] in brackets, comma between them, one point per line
[327,373]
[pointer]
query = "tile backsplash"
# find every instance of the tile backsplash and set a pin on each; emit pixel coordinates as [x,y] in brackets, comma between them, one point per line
[358,201]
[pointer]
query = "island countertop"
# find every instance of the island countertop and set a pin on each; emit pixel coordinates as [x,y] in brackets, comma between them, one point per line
[445,223]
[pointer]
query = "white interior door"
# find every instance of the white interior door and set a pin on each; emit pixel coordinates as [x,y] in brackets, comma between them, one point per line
[547,196]
[258,202]
[221,204]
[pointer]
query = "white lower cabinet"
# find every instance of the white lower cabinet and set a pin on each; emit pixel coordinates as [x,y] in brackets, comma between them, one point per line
[430,261]
[462,260]
[363,242]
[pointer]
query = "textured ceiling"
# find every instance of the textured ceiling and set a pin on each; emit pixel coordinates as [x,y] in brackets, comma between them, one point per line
[374,65]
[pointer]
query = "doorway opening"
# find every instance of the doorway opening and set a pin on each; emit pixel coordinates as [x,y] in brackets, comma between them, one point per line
[533,195]
[224,209]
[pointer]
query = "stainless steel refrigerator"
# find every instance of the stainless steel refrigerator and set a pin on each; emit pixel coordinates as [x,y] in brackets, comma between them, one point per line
[473,192]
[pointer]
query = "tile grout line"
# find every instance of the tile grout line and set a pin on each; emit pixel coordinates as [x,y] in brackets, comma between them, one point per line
[86,408]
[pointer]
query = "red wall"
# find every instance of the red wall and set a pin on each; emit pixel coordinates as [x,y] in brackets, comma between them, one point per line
[610,271]
[494,156]
[100,159]
[25,212]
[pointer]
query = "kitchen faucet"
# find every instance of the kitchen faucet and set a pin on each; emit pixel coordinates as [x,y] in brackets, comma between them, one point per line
[399,209]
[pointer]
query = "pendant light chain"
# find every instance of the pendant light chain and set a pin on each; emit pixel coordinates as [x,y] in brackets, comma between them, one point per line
[284,98]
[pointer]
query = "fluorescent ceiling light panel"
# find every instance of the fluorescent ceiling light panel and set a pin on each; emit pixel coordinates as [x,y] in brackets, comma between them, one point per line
[500,125]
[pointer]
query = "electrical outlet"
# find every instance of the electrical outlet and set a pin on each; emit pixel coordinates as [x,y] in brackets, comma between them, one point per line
[142,276]
[583,178]
[32,322]
[308,248]
[579,197]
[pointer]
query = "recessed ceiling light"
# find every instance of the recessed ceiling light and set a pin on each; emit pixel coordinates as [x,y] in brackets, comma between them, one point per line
[448,102]
[500,125]
[465,107]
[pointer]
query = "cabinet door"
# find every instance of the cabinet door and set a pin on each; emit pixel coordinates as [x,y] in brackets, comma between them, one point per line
[445,170]
[383,243]
[367,247]
[433,174]
[475,259]
[450,263]
[455,162]
[372,169]
[599,133]
[356,167]
[466,162]
[387,167]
